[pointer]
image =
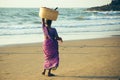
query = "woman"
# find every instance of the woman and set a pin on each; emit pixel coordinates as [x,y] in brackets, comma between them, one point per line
[50,47]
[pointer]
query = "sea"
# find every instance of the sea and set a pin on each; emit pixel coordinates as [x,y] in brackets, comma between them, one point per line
[23,25]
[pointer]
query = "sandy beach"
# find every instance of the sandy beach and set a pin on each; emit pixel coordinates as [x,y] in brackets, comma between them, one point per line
[93,59]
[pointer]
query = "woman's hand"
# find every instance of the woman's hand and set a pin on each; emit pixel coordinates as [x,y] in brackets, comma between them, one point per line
[60,39]
[56,8]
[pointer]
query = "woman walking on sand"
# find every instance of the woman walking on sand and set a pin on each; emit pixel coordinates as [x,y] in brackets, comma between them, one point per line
[50,47]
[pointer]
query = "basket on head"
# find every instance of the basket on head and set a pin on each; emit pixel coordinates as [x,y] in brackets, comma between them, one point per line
[48,13]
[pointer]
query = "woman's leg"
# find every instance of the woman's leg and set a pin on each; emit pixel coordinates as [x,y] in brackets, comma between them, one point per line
[43,73]
[49,73]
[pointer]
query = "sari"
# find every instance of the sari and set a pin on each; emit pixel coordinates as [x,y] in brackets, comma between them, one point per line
[50,48]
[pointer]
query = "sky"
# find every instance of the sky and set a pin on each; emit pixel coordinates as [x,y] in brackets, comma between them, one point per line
[52,3]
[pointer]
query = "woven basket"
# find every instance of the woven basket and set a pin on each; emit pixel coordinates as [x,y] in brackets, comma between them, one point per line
[48,13]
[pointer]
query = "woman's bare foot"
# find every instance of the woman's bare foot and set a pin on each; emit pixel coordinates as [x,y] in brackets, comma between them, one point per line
[43,73]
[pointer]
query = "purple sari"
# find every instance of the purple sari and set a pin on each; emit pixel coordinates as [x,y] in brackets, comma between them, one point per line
[50,49]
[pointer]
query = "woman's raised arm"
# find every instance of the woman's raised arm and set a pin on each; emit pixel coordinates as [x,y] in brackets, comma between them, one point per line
[43,22]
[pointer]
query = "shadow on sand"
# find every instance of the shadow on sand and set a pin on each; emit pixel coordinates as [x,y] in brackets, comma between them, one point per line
[92,77]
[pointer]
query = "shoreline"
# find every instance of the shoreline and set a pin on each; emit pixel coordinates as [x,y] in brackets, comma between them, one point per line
[19,44]
[79,60]
[28,39]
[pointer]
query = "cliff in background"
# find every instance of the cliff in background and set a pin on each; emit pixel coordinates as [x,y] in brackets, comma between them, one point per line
[113,6]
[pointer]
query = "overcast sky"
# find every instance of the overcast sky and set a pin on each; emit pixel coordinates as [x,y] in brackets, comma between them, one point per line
[52,3]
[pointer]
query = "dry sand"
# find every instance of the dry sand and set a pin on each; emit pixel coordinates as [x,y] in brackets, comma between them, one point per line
[94,59]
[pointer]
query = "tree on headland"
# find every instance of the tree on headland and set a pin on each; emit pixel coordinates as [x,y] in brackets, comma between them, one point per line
[113,6]
[115,2]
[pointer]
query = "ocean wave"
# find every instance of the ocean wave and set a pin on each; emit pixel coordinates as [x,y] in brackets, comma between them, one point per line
[14,34]
[19,31]
[85,25]
[109,12]
[19,27]
[103,12]
[104,17]
[33,14]
[93,17]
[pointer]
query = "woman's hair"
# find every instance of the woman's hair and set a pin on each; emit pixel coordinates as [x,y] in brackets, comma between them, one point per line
[49,22]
